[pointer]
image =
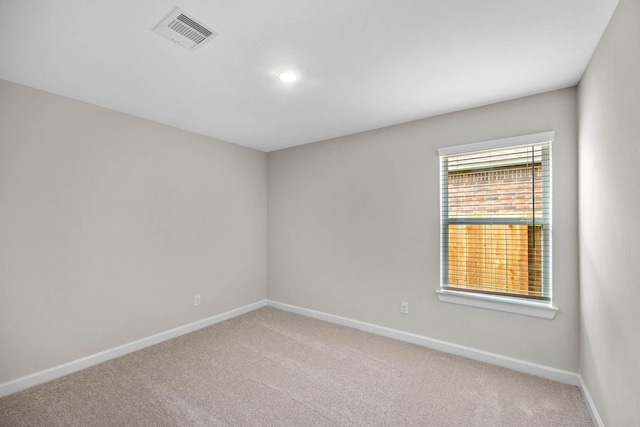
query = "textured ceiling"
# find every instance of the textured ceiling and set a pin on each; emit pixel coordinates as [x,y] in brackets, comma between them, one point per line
[364,64]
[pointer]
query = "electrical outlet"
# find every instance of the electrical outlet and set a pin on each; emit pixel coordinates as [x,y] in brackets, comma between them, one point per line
[196,300]
[404,307]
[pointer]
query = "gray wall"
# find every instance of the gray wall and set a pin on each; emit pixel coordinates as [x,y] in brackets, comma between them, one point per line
[609,205]
[110,224]
[354,229]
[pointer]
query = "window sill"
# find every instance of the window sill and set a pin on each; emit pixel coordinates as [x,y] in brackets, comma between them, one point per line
[497,303]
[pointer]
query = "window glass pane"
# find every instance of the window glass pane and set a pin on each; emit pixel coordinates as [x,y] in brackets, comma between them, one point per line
[498,258]
[495,184]
[496,221]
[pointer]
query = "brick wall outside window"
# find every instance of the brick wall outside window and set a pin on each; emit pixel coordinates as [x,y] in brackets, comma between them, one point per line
[504,192]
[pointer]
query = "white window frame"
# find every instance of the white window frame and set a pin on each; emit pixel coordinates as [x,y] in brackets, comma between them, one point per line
[515,305]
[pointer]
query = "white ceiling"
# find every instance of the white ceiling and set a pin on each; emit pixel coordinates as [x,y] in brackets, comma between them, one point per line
[364,64]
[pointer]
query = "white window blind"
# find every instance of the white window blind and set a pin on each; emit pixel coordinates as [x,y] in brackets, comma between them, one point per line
[496,217]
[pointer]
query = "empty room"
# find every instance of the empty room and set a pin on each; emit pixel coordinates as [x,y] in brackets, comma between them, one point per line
[337,213]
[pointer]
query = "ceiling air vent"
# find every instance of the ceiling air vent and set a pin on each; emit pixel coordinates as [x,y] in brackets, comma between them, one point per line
[185,30]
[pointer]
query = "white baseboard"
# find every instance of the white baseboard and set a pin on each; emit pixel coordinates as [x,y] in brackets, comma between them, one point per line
[593,411]
[548,372]
[36,378]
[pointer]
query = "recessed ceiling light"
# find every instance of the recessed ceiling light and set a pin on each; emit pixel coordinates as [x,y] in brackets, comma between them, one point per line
[288,76]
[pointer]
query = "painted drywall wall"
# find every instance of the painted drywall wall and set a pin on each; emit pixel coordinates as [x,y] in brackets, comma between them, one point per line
[354,229]
[609,153]
[110,224]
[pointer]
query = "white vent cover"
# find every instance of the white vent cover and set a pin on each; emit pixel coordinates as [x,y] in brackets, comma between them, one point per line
[185,30]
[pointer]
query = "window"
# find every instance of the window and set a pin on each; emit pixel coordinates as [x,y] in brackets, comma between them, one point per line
[495,225]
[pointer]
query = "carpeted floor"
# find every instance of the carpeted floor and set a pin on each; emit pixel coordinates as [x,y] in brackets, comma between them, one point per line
[273,368]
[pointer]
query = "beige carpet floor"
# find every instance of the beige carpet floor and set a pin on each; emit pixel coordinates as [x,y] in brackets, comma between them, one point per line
[273,368]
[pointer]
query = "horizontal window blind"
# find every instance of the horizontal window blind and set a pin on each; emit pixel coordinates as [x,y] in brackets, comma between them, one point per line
[496,221]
